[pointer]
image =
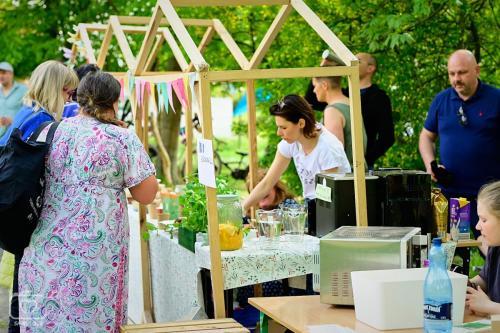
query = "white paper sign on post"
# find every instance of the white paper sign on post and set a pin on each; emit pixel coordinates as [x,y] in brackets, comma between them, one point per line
[206,169]
[323,192]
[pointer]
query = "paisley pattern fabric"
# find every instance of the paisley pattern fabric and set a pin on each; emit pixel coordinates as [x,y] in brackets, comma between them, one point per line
[73,275]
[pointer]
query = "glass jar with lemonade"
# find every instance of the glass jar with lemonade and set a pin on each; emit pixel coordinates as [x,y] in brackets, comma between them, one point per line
[230,214]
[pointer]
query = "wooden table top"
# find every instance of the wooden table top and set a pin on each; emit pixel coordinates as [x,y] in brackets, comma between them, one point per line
[298,312]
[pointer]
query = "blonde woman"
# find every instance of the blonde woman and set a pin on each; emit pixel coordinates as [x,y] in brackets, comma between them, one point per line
[50,86]
[73,275]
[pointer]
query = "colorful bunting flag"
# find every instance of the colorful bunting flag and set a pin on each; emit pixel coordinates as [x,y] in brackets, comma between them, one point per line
[164,96]
[160,97]
[178,86]
[169,92]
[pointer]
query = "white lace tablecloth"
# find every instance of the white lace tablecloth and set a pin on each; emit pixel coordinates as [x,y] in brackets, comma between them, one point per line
[176,284]
[176,288]
[252,264]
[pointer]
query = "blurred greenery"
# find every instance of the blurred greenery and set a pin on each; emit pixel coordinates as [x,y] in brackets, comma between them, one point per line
[411,40]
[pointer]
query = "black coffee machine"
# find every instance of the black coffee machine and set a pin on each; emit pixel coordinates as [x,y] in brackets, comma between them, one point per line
[394,197]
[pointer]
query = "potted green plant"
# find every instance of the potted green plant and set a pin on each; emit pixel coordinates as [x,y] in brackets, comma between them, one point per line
[194,209]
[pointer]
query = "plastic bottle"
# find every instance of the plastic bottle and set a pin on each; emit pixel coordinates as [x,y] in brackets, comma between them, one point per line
[438,293]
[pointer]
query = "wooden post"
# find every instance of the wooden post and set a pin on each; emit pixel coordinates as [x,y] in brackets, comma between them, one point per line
[189,134]
[357,148]
[213,225]
[252,133]
[142,132]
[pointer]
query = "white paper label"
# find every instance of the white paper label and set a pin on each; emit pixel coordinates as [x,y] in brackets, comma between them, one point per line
[323,192]
[206,169]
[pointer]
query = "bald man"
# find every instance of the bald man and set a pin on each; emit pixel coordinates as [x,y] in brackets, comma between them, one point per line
[375,107]
[466,119]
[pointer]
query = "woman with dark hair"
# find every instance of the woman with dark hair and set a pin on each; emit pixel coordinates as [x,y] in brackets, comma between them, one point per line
[312,148]
[73,275]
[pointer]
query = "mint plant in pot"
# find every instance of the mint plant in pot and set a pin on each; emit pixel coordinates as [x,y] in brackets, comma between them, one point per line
[194,209]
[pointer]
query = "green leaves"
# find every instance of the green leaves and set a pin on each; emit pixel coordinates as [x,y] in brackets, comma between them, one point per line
[194,203]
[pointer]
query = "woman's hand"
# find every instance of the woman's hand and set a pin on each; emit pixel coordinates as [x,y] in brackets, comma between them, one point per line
[478,301]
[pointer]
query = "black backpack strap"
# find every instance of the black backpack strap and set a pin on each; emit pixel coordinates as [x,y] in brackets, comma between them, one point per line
[50,134]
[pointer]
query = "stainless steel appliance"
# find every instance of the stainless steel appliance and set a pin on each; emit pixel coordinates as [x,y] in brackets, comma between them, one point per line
[351,248]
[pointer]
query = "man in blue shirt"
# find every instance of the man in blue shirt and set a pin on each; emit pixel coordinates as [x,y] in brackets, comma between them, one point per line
[466,118]
[11,96]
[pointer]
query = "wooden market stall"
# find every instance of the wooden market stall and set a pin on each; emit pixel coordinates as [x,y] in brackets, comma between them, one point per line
[165,26]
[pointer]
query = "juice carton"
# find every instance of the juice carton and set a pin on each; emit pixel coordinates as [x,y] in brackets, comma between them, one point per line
[459,218]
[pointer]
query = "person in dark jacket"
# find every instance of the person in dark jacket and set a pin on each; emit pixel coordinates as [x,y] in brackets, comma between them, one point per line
[375,107]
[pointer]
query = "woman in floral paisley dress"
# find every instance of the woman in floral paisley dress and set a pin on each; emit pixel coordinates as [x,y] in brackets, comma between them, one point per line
[73,276]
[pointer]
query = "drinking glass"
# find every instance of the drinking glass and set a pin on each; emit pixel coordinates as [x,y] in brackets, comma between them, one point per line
[294,221]
[270,226]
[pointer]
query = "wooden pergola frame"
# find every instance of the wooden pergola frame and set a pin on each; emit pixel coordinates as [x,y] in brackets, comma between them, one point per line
[165,26]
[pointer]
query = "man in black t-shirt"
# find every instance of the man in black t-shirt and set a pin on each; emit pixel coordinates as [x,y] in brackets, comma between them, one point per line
[375,107]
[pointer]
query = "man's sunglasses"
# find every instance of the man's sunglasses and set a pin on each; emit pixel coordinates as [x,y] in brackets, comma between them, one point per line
[462,117]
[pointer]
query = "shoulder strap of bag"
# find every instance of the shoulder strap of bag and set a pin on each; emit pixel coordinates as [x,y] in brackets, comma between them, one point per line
[50,134]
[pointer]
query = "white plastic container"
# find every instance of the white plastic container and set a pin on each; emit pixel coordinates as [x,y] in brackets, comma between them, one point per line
[393,298]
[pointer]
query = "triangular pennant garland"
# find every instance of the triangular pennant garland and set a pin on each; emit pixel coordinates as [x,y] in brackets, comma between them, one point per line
[164,94]
[178,86]
[160,97]
[170,99]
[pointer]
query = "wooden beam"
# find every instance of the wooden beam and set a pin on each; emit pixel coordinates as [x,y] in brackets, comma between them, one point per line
[118,75]
[126,28]
[324,32]
[154,52]
[252,133]
[189,133]
[231,44]
[156,77]
[122,42]
[148,41]
[270,35]
[87,45]
[211,193]
[142,130]
[145,20]
[183,36]
[357,148]
[207,3]
[207,37]
[175,49]
[103,52]
[278,73]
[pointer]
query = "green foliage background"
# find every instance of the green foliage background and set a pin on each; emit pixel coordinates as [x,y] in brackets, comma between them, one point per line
[411,40]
